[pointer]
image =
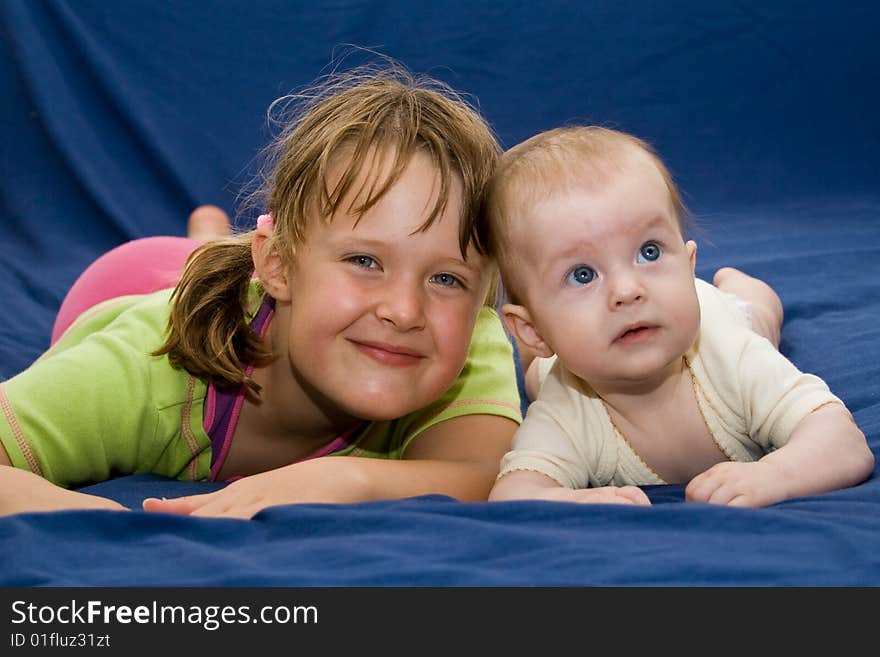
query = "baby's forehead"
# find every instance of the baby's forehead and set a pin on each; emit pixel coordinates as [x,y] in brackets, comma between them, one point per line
[573,176]
[576,171]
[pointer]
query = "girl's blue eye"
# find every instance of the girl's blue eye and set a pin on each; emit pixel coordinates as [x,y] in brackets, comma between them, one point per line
[446,280]
[581,275]
[649,252]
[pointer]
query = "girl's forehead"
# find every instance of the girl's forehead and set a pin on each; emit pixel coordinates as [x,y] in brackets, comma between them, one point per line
[356,181]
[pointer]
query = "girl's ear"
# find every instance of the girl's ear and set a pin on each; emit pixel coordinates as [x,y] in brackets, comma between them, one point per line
[518,321]
[268,264]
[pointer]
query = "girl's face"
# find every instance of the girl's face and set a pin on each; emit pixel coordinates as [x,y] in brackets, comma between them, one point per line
[381,315]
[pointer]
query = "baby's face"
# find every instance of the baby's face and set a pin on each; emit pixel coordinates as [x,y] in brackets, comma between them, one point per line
[608,278]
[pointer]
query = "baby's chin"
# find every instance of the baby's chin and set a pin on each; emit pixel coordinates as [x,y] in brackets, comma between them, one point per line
[638,376]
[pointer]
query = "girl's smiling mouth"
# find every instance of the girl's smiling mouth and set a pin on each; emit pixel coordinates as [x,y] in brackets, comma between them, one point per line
[388,354]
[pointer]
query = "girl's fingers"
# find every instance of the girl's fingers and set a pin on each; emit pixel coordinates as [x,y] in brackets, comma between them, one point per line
[178,505]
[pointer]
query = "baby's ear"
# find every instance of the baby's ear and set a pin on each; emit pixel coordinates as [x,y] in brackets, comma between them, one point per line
[269,266]
[691,247]
[518,321]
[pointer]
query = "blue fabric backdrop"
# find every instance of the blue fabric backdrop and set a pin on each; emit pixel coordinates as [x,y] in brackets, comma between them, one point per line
[119,118]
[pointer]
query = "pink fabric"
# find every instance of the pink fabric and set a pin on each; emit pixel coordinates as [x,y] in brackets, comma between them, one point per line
[136,267]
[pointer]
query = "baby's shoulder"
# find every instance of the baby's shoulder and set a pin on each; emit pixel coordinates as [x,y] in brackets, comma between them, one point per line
[561,390]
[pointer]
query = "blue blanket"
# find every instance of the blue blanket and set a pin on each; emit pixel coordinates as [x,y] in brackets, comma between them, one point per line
[119,119]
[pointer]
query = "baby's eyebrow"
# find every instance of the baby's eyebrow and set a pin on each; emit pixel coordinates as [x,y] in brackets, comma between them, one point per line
[580,248]
[552,263]
[660,221]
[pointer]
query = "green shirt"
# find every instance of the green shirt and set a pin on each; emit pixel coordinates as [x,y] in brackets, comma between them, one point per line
[97,405]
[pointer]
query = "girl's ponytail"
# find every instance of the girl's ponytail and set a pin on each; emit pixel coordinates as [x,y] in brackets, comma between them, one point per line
[208,331]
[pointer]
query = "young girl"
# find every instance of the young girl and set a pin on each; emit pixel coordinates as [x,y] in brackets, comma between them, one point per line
[341,351]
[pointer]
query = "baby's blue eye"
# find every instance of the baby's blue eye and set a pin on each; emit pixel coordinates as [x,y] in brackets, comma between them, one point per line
[446,280]
[363,261]
[649,252]
[580,275]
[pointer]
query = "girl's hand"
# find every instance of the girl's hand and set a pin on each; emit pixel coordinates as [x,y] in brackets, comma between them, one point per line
[243,498]
[207,504]
[293,484]
[750,484]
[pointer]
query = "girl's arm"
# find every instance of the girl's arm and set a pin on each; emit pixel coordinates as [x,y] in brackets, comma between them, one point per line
[825,452]
[22,491]
[458,457]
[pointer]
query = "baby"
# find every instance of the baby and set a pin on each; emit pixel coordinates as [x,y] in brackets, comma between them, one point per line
[658,377]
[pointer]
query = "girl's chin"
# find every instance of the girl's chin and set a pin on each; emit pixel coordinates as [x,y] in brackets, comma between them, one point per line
[381,410]
[382,400]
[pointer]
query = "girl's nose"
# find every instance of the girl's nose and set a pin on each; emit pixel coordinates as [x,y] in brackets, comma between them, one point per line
[402,305]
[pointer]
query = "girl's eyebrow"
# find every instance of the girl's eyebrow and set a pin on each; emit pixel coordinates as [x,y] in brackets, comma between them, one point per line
[371,243]
[361,242]
[471,265]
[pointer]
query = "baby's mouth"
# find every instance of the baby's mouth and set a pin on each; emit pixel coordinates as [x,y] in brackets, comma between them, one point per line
[636,333]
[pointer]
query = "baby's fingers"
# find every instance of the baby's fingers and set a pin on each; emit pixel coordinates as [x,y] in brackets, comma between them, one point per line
[612,495]
[635,494]
[725,483]
[703,487]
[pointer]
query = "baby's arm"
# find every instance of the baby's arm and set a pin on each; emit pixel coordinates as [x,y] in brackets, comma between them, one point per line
[530,485]
[553,446]
[826,451]
[22,491]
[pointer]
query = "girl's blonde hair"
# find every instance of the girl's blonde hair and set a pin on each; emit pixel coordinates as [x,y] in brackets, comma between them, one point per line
[346,119]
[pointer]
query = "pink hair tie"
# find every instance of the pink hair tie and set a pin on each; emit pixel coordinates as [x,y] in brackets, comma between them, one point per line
[266,220]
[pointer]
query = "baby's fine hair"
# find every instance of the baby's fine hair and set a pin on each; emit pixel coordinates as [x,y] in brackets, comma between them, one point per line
[347,119]
[554,161]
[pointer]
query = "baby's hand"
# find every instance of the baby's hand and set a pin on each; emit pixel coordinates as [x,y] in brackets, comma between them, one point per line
[735,483]
[603,495]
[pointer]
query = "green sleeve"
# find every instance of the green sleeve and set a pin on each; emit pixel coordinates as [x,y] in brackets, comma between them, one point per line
[76,417]
[97,405]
